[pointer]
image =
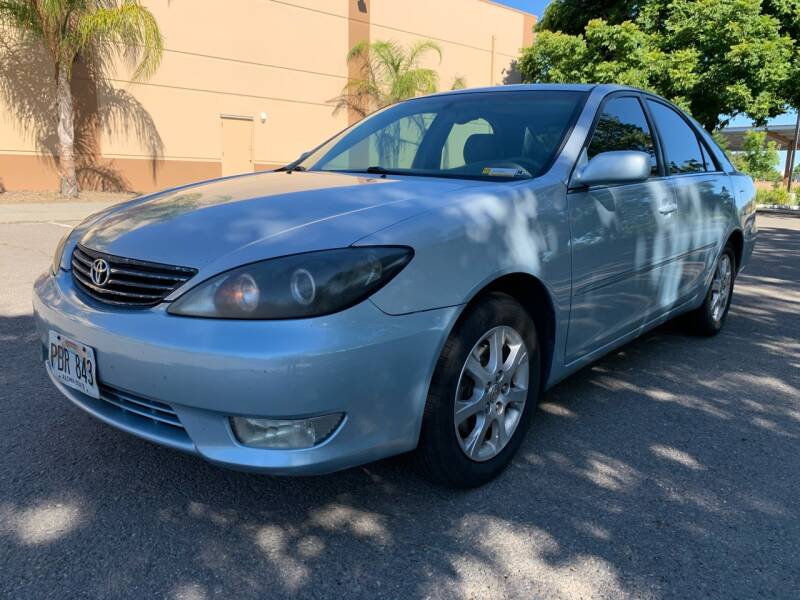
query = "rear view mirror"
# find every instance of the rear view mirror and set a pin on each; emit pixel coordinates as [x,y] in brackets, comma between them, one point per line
[615,167]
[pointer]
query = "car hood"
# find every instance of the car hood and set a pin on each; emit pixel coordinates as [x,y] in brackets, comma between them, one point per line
[234,220]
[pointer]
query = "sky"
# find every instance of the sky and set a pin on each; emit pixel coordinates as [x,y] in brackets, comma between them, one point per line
[532,6]
[785,119]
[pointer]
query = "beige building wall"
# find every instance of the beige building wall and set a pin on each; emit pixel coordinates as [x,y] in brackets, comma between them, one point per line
[275,64]
[480,40]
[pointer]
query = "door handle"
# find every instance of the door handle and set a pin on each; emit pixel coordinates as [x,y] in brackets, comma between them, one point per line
[668,209]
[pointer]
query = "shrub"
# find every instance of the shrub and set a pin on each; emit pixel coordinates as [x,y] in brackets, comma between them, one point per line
[777,196]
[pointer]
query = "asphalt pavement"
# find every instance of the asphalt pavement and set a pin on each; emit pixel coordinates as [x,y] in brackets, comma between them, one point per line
[669,469]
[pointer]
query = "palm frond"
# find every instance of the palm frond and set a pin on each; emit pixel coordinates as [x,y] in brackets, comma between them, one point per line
[359,51]
[129,30]
[388,73]
[459,83]
[420,49]
[358,95]
[355,103]
[418,81]
[386,59]
[20,15]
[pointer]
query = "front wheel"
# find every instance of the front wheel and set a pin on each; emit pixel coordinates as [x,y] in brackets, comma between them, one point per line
[710,317]
[483,394]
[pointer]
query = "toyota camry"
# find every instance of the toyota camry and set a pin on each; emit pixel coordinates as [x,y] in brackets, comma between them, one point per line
[415,283]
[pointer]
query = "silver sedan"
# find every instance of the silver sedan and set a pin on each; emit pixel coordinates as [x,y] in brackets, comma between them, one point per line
[413,284]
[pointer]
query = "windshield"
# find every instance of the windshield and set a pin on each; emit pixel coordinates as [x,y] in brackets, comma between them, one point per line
[483,135]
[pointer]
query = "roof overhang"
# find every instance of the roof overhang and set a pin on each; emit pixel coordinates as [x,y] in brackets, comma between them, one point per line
[783,134]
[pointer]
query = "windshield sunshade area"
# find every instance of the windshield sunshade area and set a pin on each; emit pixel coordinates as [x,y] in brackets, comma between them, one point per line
[502,136]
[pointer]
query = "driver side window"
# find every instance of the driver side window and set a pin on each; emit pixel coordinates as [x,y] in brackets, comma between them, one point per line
[453,150]
[623,126]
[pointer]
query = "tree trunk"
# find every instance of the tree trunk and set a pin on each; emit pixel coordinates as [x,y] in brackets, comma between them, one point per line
[66,135]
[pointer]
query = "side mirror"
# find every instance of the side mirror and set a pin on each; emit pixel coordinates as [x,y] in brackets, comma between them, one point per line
[615,167]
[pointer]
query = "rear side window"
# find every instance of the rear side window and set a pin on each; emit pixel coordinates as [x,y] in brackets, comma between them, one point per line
[707,160]
[722,160]
[623,126]
[682,150]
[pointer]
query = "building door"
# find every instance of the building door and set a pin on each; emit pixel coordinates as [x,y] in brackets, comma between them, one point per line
[237,145]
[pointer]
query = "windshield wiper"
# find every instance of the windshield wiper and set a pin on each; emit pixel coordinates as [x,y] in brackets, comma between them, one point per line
[290,168]
[376,170]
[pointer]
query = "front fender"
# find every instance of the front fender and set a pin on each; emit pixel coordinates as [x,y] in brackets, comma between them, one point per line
[464,245]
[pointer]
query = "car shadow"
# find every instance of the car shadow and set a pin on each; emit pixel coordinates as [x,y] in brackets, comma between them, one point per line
[667,469]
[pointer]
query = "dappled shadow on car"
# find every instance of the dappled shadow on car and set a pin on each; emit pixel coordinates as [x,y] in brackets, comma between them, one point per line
[667,469]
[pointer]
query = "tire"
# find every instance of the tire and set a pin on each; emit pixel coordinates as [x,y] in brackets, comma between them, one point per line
[503,409]
[708,319]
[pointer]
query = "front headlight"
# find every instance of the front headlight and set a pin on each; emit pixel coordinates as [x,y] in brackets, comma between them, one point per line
[297,286]
[59,254]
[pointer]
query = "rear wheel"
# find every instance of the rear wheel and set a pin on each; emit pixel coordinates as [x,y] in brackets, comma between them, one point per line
[710,317]
[484,392]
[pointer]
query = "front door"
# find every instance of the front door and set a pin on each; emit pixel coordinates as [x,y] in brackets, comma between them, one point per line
[618,235]
[237,145]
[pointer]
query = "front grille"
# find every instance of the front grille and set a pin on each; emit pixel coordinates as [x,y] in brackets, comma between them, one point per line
[156,412]
[133,283]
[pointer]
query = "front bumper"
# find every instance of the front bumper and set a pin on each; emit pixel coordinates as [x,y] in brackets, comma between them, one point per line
[373,367]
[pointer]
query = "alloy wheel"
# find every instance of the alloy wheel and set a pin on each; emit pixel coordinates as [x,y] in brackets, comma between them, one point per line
[491,393]
[721,287]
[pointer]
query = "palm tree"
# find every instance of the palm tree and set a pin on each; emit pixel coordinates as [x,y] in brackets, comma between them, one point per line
[98,31]
[459,83]
[389,73]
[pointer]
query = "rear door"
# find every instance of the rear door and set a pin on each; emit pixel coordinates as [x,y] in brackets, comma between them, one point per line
[702,191]
[618,235]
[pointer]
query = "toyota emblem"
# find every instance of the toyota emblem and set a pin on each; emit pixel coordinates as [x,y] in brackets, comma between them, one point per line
[100,272]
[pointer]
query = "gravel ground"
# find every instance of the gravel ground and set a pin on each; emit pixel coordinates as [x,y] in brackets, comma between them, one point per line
[669,469]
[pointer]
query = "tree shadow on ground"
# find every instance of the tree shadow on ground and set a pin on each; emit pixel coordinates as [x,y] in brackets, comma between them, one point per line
[27,88]
[667,469]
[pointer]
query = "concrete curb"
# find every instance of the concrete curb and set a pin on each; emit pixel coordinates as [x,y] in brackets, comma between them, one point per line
[778,209]
[67,214]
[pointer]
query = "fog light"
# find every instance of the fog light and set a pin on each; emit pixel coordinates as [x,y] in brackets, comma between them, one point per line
[285,433]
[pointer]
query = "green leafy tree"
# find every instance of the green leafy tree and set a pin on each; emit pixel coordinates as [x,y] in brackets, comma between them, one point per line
[604,53]
[389,73]
[758,158]
[787,12]
[721,140]
[572,16]
[613,134]
[98,31]
[716,58]
[743,57]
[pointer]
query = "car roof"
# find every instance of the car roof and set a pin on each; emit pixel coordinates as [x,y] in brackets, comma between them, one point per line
[575,87]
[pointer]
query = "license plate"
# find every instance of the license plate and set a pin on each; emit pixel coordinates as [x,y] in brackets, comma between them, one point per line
[72,363]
